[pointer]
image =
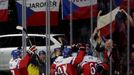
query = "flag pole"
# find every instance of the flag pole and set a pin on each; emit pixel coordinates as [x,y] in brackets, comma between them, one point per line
[71,24]
[24,26]
[91,21]
[48,37]
[128,36]
[62,10]
[111,36]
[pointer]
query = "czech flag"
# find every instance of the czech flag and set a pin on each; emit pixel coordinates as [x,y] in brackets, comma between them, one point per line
[3,10]
[36,12]
[104,22]
[81,9]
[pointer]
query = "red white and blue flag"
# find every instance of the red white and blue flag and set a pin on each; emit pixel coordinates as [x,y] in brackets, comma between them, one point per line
[81,9]
[36,12]
[3,10]
[104,22]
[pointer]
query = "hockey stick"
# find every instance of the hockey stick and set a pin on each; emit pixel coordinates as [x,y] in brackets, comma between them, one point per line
[23,29]
[27,37]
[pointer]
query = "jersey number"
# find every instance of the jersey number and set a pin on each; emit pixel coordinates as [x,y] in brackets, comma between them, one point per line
[92,68]
[62,69]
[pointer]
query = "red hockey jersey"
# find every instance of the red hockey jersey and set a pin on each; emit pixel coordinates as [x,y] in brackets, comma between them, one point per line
[88,65]
[19,66]
[67,66]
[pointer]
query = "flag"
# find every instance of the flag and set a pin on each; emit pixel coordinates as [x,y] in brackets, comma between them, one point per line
[104,22]
[81,9]
[3,10]
[36,12]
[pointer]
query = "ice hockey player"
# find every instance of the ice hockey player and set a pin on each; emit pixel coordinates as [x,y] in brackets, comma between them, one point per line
[17,64]
[67,64]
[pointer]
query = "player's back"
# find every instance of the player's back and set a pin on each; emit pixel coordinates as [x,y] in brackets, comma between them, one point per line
[14,67]
[88,65]
[64,66]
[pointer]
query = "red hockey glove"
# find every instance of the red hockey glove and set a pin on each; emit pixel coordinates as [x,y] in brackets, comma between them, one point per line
[32,49]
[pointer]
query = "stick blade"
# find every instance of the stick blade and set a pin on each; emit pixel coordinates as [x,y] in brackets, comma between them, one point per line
[19,27]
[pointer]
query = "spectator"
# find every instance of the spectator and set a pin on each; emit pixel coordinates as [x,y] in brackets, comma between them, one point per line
[42,57]
[63,42]
[37,64]
[97,43]
[55,54]
[101,46]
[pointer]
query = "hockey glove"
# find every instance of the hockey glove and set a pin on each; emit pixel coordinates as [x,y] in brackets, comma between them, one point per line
[32,49]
